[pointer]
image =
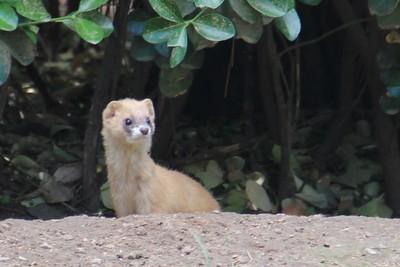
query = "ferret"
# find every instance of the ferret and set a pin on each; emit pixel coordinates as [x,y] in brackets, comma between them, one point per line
[138,185]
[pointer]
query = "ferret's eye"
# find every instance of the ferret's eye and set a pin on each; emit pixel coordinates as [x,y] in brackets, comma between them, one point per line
[128,122]
[148,120]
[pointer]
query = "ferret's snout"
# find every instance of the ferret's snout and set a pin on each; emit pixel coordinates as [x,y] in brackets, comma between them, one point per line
[144,131]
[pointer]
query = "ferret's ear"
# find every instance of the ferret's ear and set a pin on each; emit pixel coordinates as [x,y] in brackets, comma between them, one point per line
[110,110]
[150,107]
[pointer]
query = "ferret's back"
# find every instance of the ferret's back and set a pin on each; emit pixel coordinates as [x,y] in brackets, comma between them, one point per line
[184,193]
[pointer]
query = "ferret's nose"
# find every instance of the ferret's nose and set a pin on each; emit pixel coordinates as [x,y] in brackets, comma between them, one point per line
[144,131]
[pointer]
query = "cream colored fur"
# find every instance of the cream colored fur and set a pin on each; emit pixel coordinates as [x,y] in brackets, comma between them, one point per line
[137,183]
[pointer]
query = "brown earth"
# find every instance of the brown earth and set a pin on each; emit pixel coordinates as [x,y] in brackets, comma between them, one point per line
[224,239]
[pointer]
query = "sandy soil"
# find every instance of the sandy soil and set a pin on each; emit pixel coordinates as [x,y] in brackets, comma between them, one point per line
[224,239]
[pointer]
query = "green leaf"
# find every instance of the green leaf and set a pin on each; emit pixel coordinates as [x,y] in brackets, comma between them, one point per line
[214,27]
[104,22]
[249,32]
[374,208]
[32,202]
[289,25]
[177,56]
[105,196]
[31,31]
[136,20]
[10,2]
[310,195]
[212,176]
[391,21]
[208,3]
[175,82]
[198,41]
[393,91]
[178,37]
[68,173]
[8,18]
[5,62]
[272,8]
[167,9]
[54,192]
[258,197]
[88,5]
[23,162]
[20,46]
[179,41]
[235,201]
[62,155]
[86,29]
[32,9]
[186,7]
[358,171]
[244,10]
[195,168]
[382,7]
[312,2]
[159,30]
[372,189]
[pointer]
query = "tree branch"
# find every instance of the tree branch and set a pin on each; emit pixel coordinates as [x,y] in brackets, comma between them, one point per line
[325,35]
[105,91]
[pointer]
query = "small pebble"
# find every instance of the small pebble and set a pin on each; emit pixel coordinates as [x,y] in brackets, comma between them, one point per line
[67,237]
[187,250]
[371,251]
[136,257]
[96,261]
[45,245]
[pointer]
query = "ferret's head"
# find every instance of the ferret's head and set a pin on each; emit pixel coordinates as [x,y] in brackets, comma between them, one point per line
[129,121]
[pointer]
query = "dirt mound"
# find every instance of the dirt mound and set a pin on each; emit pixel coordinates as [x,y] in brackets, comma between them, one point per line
[224,239]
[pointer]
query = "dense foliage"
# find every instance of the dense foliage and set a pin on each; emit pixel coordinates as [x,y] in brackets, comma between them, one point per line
[182,29]
[19,20]
[173,35]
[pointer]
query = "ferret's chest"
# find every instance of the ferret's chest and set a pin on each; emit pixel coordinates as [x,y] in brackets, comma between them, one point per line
[133,192]
[131,187]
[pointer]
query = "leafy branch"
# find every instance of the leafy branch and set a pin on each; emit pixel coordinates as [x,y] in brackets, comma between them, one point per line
[19,22]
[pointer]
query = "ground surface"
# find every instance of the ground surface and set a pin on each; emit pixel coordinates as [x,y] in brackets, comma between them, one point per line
[186,240]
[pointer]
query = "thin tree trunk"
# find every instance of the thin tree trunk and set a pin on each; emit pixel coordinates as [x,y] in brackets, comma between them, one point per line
[3,99]
[52,31]
[72,5]
[249,87]
[286,186]
[265,89]
[105,91]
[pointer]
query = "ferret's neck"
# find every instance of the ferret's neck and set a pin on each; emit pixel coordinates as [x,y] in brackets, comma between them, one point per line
[123,156]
